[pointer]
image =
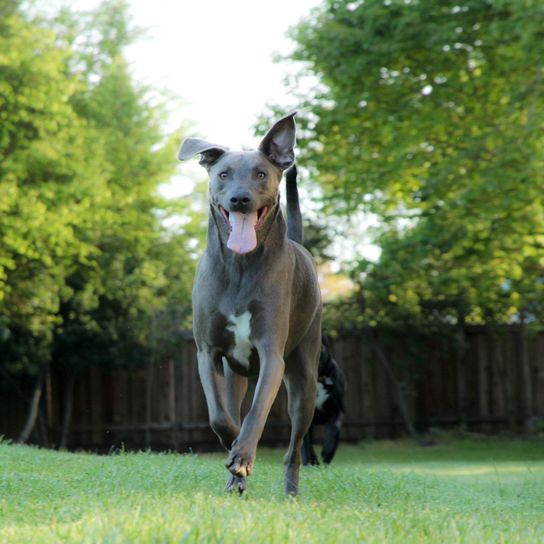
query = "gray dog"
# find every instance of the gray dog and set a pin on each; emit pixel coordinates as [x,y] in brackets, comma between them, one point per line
[256,301]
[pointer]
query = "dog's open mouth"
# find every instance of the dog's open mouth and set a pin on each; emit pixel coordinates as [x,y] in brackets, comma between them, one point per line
[261,216]
[243,227]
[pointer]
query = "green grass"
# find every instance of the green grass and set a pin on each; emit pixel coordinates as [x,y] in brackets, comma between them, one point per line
[461,491]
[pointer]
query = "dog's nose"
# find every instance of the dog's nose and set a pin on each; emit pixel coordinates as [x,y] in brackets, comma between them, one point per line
[240,202]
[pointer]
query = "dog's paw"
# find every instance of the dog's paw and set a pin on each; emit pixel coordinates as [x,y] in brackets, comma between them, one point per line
[240,462]
[236,483]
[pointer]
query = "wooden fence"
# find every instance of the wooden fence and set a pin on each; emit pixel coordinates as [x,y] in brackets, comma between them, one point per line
[488,382]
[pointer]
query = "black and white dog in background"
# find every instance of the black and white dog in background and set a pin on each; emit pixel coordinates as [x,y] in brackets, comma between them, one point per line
[329,407]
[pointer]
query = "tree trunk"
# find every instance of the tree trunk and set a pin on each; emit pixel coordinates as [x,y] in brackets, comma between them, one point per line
[401,400]
[43,436]
[68,408]
[32,411]
[48,392]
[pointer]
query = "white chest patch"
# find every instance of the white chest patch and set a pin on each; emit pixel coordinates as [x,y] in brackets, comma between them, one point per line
[240,327]
[321,396]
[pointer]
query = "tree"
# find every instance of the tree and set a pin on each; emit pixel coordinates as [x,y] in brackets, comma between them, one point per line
[430,115]
[85,256]
[48,160]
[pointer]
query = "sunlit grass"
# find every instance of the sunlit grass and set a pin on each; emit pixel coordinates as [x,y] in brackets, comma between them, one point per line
[465,491]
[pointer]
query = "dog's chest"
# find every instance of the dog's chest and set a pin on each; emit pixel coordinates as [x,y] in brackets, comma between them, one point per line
[240,326]
[323,393]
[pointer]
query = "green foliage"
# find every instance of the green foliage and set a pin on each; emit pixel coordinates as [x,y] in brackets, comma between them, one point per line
[50,178]
[85,258]
[430,115]
[463,491]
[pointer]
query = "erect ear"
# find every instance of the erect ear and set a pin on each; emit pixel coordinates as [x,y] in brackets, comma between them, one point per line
[278,144]
[209,153]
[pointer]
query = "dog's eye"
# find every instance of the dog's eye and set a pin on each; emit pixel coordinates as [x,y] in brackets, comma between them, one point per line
[261,175]
[223,175]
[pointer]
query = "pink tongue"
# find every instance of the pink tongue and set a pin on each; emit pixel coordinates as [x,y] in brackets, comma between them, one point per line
[243,238]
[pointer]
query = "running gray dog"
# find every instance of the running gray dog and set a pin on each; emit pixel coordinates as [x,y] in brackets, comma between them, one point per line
[256,301]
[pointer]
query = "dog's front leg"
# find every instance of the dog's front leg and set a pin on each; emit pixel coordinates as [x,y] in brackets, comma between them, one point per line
[213,384]
[309,456]
[242,454]
[332,435]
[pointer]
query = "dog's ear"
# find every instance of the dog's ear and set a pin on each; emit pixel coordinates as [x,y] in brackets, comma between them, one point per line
[278,144]
[209,153]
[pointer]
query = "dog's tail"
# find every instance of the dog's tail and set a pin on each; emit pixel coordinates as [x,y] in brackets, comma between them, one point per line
[295,228]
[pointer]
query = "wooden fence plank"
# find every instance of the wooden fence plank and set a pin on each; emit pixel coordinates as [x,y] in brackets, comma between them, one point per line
[498,382]
[483,378]
[367,392]
[526,375]
[509,350]
[538,385]
[96,403]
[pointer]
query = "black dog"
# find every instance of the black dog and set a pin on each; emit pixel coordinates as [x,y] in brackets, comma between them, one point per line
[329,407]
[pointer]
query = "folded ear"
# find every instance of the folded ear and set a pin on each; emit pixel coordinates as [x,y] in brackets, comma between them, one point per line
[278,144]
[209,152]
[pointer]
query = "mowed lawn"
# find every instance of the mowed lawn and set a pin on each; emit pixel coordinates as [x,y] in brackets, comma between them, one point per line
[457,491]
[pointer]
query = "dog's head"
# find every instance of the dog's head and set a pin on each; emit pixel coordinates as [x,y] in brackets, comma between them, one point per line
[244,185]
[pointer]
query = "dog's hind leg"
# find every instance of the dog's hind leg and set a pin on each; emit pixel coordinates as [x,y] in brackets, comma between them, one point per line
[301,383]
[301,387]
